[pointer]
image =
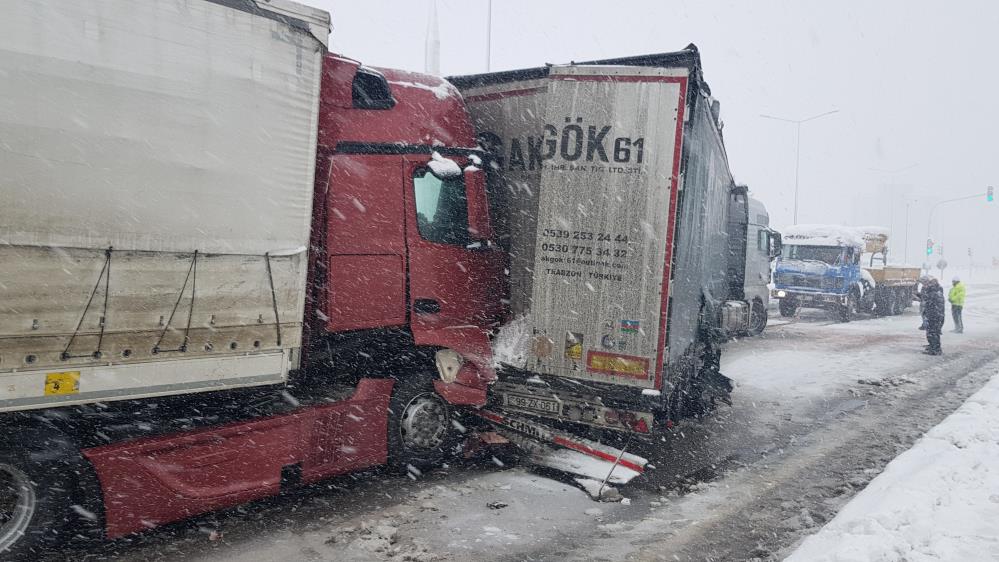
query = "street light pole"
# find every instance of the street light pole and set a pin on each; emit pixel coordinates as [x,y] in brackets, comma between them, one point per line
[905,260]
[929,220]
[797,148]
[797,166]
[489,35]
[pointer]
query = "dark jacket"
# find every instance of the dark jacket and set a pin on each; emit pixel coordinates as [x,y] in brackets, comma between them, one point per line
[933,306]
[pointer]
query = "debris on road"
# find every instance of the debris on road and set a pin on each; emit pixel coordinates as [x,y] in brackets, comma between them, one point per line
[887,381]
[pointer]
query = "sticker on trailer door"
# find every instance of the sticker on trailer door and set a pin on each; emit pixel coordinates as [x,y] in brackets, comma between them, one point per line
[66,382]
[617,365]
[609,162]
[631,326]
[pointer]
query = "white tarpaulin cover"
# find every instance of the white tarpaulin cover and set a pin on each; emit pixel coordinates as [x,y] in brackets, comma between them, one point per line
[161,126]
[183,135]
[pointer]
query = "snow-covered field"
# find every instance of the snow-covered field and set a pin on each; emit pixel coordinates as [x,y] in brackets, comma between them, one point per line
[936,501]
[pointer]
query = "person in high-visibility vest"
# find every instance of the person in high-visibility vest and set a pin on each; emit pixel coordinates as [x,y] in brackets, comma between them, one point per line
[956,298]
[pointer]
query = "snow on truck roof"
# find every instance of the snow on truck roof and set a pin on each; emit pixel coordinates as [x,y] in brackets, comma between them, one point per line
[836,235]
[688,57]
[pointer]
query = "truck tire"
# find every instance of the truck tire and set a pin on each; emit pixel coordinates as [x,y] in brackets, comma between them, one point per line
[869,302]
[758,318]
[421,432]
[846,311]
[788,307]
[898,301]
[882,302]
[35,505]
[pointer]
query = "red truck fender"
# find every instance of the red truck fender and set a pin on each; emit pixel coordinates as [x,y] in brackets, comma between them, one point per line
[475,374]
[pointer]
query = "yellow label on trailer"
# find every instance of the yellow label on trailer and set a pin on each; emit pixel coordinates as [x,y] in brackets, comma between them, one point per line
[67,382]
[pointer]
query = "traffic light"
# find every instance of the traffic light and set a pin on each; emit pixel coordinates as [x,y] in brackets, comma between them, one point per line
[989,194]
[929,246]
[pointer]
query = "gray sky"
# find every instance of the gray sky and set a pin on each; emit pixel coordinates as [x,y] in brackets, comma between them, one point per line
[915,84]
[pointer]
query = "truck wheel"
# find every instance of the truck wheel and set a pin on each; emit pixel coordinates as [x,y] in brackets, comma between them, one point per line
[881,303]
[898,302]
[420,430]
[868,303]
[846,311]
[758,318]
[34,506]
[788,307]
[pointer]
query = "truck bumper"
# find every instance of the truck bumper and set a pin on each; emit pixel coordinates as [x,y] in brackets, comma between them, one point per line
[810,299]
[540,400]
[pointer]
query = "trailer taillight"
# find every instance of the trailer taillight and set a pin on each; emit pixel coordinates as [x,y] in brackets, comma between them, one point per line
[641,426]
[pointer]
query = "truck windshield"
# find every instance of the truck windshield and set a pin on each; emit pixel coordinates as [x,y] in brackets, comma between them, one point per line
[832,255]
[441,208]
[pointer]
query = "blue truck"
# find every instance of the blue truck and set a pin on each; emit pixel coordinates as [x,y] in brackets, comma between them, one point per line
[841,269]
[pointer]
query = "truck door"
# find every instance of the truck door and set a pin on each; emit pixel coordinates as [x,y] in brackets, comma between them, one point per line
[366,243]
[455,275]
[758,245]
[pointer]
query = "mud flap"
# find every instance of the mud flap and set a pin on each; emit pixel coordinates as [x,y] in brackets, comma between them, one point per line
[565,452]
[716,385]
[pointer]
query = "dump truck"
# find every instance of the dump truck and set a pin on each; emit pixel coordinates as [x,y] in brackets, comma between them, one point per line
[610,188]
[841,269]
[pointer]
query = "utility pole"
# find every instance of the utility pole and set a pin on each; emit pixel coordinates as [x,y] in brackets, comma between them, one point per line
[432,49]
[489,35]
[797,148]
[905,243]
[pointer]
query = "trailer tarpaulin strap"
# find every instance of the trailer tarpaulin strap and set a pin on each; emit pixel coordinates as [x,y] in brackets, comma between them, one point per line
[270,279]
[192,275]
[106,276]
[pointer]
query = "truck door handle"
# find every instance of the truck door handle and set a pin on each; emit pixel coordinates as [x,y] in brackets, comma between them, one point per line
[426,306]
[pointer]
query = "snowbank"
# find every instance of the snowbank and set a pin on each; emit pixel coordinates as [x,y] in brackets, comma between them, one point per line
[937,501]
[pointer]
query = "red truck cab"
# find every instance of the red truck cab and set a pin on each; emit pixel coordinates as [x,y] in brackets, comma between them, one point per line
[402,272]
[402,238]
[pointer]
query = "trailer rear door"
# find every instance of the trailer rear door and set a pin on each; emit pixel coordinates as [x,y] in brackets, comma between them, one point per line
[605,223]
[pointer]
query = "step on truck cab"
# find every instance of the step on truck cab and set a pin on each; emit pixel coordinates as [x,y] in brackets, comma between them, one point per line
[610,187]
[232,263]
[842,269]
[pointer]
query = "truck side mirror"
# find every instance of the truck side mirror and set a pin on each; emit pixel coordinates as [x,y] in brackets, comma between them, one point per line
[776,244]
[480,226]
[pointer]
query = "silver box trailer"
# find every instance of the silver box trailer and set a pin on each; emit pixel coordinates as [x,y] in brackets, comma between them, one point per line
[156,195]
[611,186]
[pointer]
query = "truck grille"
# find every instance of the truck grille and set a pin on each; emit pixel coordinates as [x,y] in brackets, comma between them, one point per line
[794,280]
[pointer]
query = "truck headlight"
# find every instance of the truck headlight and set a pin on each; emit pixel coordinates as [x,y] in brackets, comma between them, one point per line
[448,363]
[781,294]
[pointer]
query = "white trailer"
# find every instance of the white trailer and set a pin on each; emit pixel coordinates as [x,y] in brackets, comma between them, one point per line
[610,186]
[138,142]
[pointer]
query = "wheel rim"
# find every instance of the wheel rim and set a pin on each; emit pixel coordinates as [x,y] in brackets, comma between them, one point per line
[17,505]
[424,422]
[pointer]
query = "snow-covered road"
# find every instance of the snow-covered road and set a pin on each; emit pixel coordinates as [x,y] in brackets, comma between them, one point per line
[820,408]
[935,502]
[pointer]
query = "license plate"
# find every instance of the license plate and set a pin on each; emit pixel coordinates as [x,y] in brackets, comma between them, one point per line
[532,403]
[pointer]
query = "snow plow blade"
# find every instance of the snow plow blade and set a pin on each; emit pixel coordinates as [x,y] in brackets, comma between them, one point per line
[566,452]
